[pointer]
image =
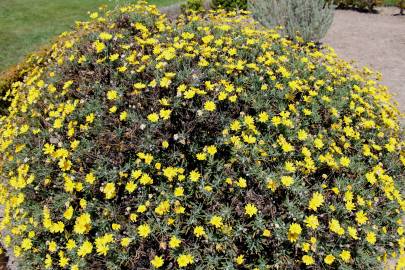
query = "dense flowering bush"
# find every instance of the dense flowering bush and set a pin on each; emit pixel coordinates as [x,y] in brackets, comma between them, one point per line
[206,143]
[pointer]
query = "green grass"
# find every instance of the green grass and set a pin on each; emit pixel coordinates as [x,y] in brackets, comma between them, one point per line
[27,24]
[390,2]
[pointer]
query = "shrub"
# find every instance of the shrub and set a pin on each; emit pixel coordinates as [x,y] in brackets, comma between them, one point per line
[401,6]
[15,74]
[193,5]
[206,143]
[368,5]
[229,4]
[310,19]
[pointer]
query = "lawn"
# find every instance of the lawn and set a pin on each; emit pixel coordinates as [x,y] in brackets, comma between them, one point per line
[27,24]
[390,2]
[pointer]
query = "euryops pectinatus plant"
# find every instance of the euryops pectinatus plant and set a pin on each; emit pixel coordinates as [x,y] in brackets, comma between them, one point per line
[208,143]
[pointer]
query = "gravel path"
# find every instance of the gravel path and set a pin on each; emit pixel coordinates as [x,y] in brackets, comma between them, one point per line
[373,40]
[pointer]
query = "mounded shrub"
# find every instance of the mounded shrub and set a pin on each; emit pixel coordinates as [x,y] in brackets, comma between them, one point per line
[308,19]
[207,143]
[229,4]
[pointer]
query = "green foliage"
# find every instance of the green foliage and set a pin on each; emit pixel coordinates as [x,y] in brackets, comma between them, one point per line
[309,19]
[193,5]
[368,5]
[229,4]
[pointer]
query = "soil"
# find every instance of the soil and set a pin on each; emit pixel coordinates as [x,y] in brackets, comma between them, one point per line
[373,40]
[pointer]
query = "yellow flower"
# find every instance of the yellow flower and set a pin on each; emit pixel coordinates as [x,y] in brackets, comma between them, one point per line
[179,191]
[165,144]
[240,259]
[250,210]
[74,144]
[210,106]
[242,183]
[352,232]
[174,242]
[26,244]
[216,221]
[302,135]
[165,82]
[312,222]
[266,233]
[199,231]
[68,213]
[105,36]
[184,260]
[334,226]
[90,178]
[345,256]
[48,261]
[263,117]
[157,261]
[48,149]
[113,109]
[144,230]
[125,241]
[329,259]
[112,95]
[371,238]
[294,232]
[289,167]
[271,184]
[201,156]
[361,217]
[139,86]
[109,191]
[316,201]
[212,150]
[308,260]
[165,114]
[82,224]
[71,244]
[194,176]
[287,181]
[63,261]
[318,143]
[99,46]
[133,217]
[153,117]
[114,57]
[116,226]
[123,116]
[65,164]
[85,249]
[345,161]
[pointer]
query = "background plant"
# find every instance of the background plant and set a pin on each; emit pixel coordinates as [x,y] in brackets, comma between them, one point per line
[229,4]
[401,5]
[204,143]
[310,19]
[193,5]
[368,5]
